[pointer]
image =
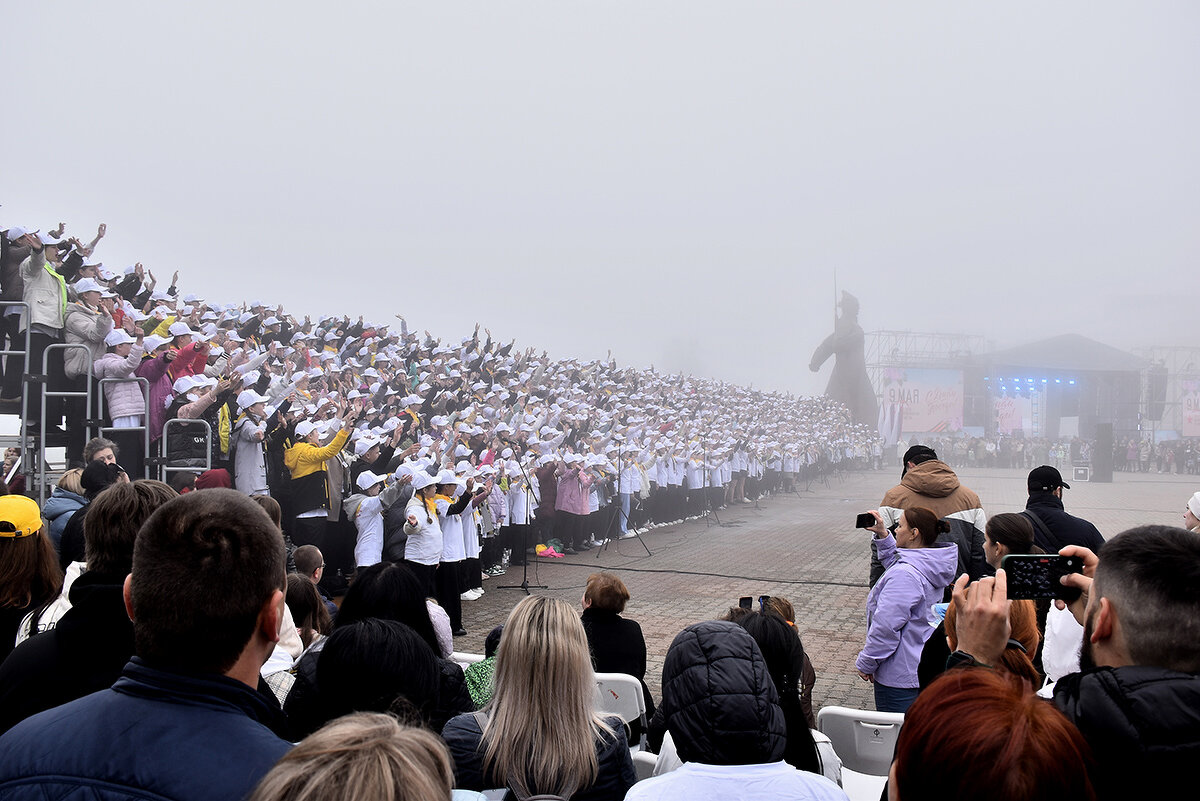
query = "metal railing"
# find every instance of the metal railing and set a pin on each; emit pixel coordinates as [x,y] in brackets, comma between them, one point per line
[144,428]
[41,472]
[179,422]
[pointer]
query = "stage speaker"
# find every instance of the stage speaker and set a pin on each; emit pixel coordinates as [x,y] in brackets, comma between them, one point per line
[1102,454]
[1157,397]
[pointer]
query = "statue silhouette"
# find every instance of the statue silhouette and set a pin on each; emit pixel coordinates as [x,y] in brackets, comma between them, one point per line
[848,382]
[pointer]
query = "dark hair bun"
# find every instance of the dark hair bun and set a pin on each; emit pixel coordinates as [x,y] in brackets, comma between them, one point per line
[942,527]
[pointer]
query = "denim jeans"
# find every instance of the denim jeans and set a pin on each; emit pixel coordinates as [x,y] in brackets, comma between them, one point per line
[894,699]
[623,520]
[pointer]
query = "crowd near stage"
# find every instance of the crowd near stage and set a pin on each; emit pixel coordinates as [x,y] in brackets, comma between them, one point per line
[803,547]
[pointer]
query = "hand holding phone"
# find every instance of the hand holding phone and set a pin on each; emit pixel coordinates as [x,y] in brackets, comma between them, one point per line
[1039,576]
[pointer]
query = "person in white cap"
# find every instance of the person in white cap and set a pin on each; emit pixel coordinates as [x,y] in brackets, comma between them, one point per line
[45,293]
[1191,514]
[124,402]
[423,550]
[86,322]
[365,508]
[310,496]
[246,437]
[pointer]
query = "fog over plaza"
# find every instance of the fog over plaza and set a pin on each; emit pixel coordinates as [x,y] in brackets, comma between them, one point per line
[679,182]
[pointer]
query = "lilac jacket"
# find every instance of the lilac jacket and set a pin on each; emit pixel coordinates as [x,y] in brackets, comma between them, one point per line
[573,492]
[898,609]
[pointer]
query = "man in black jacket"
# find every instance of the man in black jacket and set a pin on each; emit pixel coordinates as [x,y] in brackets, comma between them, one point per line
[185,720]
[1053,528]
[1137,697]
[91,643]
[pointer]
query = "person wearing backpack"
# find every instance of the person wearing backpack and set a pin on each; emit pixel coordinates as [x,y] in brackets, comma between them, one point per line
[926,481]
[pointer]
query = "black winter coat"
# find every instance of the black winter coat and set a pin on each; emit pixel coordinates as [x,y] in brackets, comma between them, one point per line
[617,646]
[85,652]
[1143,724]
[1065,528]
[719,702]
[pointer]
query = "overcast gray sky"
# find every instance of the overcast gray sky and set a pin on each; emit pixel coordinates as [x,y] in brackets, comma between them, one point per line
[677,181]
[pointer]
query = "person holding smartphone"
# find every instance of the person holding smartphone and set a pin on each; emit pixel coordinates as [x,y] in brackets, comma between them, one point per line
[917,569]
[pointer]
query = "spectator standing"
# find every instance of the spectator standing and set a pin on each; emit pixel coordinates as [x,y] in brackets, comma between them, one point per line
[930,483]
[917,571]
[1053,528]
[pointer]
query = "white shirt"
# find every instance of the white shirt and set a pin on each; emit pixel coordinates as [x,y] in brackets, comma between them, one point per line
[368,548]
[424,545]
[776,781]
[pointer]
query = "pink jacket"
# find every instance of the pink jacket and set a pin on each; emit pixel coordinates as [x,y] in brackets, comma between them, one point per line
[573,492]
[122,400]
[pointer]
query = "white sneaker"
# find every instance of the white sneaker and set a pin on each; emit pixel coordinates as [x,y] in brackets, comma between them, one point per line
[478,591]
[628,535]
[467,596]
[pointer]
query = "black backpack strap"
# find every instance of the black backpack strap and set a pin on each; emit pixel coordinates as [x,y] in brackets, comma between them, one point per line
[1042,527]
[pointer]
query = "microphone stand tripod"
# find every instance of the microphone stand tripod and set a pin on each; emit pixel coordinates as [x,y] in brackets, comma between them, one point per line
[620,512]
[709,511]
[524,585]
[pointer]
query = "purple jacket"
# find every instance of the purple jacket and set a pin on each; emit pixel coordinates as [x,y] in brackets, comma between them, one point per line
[898,609]
[573,492]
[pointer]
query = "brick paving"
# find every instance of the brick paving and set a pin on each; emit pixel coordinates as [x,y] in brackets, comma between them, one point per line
[803,547]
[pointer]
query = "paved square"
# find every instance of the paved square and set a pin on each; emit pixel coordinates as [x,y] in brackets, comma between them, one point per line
[803,547]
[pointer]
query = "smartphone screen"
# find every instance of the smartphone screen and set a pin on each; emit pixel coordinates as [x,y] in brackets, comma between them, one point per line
[864,520]
[1036,576]
[746,602]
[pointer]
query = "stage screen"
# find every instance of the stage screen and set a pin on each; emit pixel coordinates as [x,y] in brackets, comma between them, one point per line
[929,401]
[1191,408]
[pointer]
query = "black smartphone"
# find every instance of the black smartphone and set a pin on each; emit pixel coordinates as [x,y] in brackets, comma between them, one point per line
[1036,576]
[746,602]
[864,520]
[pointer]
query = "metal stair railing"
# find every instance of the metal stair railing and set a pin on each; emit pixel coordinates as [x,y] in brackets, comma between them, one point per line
[144,428]
[41,471]
[179,422]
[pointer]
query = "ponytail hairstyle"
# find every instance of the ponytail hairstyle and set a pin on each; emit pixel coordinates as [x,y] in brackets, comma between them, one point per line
[1013,531]
[926,522]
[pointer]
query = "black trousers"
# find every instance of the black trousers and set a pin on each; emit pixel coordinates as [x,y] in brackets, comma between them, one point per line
[425,575]
[11,338]
[447,592]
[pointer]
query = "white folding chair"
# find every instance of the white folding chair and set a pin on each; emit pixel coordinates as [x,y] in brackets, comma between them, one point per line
[621,694]
[643,764]
[865,741]
[466,659]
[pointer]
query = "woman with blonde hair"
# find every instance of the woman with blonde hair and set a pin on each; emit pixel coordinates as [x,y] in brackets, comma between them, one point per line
[541,733]
[366,755]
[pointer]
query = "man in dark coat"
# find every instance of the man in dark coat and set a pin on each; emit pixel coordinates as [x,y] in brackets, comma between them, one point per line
[87,649]
[185,720]
[1053,528]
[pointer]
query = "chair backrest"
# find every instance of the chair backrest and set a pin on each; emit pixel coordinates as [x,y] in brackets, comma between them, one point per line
[864,740]
[465,659]
[621,694]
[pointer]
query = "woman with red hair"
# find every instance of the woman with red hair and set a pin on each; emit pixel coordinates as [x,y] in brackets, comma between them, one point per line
[980,734]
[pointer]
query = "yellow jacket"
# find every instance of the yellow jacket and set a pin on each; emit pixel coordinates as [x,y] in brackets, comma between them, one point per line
[303,459]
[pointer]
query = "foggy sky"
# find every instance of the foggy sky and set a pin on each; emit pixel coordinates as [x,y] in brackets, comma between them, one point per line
[678,182]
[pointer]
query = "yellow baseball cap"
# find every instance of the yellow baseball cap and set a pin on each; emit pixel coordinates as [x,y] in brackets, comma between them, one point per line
[19,516]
